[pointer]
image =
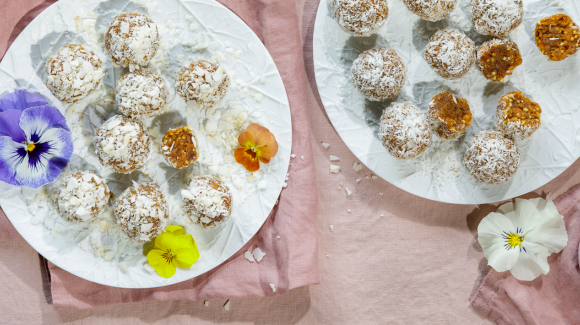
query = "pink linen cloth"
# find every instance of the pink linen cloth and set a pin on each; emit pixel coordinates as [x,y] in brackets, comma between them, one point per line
[550,299]
[292,260]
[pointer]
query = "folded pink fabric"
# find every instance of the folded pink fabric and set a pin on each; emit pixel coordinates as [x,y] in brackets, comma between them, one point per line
[550,299]
[292,260]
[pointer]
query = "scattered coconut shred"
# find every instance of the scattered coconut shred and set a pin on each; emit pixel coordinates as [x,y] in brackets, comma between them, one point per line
[217,129]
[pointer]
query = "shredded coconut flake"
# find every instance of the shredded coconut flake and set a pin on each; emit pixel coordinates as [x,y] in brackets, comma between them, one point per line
[258,254]
[249,256]
[334,168]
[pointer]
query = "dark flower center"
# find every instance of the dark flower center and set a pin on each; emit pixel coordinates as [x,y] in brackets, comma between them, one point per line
[251,153]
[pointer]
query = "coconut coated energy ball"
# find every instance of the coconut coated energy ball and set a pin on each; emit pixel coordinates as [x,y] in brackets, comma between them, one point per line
[141,94]
[404,130]
[491,158]
[122,143]
[132,40]
[141,211]
[450,53]
[496,17]
[203,81]
[73,73]
[360,17]
[378,73]
[208,201]
[431,10]
[82,196]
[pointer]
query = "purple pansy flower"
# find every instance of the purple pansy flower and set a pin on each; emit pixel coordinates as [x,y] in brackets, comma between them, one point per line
[35,142]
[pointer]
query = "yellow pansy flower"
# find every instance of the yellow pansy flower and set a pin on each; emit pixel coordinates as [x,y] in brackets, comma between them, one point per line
[173,248]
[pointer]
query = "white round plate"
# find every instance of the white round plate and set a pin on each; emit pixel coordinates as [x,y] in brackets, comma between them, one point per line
[438,174]
[189,30]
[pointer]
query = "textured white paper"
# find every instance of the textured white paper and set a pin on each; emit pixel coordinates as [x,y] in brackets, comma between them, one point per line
[439,173]
[189,30]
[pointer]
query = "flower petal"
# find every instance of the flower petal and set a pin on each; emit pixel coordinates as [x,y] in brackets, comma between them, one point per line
[263,137]
[245,139]
[264,154]
[45,163]
[155,257]
[165,241]
[11,155]
[9,125]
[36,120]
[550,231]
[185,241]
[176,230]
[527,215]
[500,258]
[185,257]
[506,208]
[242,157]
[491,229]
[21,100]
[531,263]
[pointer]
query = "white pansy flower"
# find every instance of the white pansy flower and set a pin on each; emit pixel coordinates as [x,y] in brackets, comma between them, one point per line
[520,238]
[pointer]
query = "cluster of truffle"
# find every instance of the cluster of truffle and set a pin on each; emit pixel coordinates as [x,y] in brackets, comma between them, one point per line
[122,142]
[492,157]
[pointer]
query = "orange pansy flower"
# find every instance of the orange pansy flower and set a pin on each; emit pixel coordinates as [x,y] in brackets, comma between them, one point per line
[257,144]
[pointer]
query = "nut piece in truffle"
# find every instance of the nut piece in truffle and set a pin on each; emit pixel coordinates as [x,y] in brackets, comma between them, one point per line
[517,117]
[557,37]
[496,17]
[82,196]
[360,17]
[404,130]
[141,94]
[491,158]
[498,58]
[73,72]
[448,115]
[203,81]
[122,143]
[431,10]
[378,73]
[179,146]
[132,40]
[208,201]
[141,211]
[450,53]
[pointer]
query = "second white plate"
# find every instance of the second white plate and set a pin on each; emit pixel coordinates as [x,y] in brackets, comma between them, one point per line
[439,174]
